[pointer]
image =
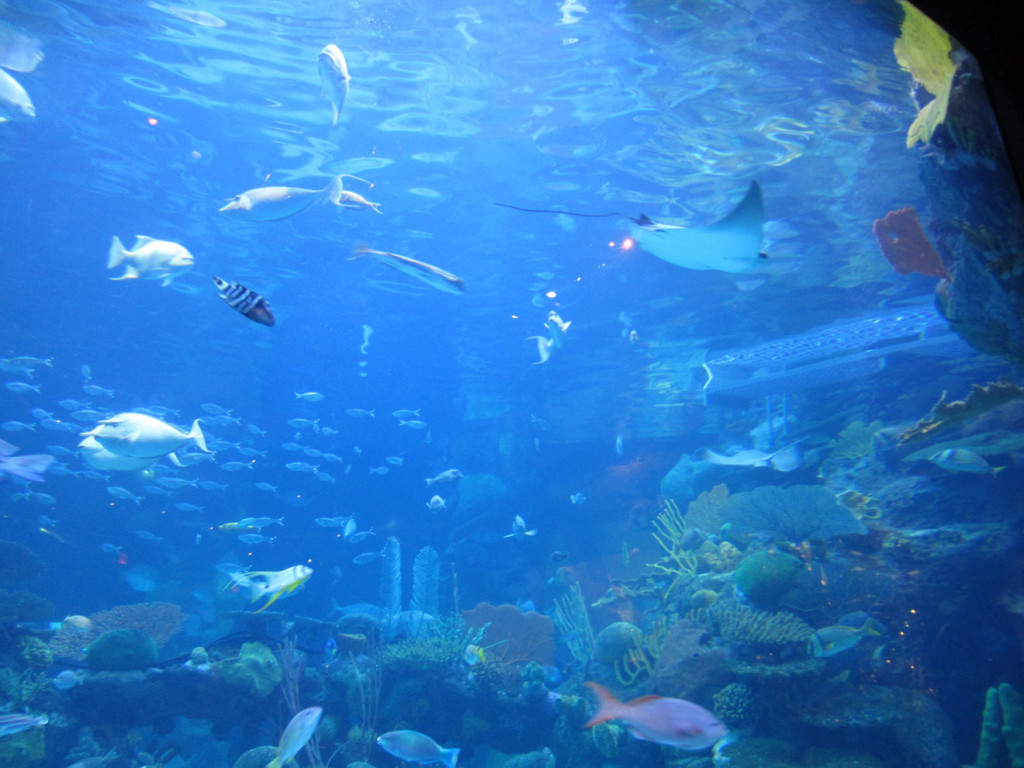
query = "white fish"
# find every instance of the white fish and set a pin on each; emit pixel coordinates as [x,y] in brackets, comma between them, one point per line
[436,504]
[349,528]
[731,244]
[276,203]
[150,259]
[519,529]
[784,460]
[544,347]
[137,435]
[312,397]
[123,493]
[361,536]
[15,103]
[18,51]
[330,522]
[448,476]
[99,457]
[334,77]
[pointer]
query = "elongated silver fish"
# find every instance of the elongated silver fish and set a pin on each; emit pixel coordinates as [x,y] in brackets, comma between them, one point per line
[276,203]
[246,301]
[425,273]
[334,77]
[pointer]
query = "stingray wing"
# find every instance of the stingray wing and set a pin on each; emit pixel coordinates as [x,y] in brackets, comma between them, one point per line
[731,244]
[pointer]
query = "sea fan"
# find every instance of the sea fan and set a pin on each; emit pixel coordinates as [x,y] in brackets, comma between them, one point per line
[426,577]
[391,585]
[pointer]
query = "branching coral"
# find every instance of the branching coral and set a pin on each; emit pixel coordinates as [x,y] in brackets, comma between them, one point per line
[573,623]
[980,399]
[761,629]
[639,660]
[669,531]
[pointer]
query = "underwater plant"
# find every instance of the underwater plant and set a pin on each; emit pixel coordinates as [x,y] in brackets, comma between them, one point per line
[795,513]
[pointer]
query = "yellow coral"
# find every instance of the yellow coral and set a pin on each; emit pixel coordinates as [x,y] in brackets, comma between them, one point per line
[923,49]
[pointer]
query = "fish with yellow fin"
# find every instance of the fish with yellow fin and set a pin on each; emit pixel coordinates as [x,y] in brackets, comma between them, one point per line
[272,584]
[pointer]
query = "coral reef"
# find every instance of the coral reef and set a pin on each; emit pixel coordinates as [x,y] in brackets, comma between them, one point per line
[121,649]
[161,621]
[34,653]
[905,245]
[615,641]
[673,537]
[795,513]
[945,414]
[704,512]
[856,441]
[255,670]
[764,630]
[736,705]
[573,622]
[687,661]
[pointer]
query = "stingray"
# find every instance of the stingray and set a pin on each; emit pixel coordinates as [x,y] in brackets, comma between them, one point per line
[784,460]
[731,244]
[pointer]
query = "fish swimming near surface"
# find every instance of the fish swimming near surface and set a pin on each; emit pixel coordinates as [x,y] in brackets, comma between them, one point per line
[416,747]
[150,259]
[272,584]
[276,203]
[300,729]
[425,273]
[246,301]
[672,722]
[137,435]
[15,103]
[963,460]
[334,77]
[28,467]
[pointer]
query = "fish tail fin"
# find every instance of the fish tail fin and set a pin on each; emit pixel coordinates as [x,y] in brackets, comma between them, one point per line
[997,470]
[361,250]
[608,707]
[196,436]
[449,756]
[335,188]
[337,114]
[115,255]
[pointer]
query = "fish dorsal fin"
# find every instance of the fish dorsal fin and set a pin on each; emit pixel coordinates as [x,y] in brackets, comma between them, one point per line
[141,240]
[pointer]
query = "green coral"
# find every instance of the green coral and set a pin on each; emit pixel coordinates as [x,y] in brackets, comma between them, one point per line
[736,706]
[121,649]
[34,652]
[1002,729]
[255,670]
[764,577]
[762,629]
[607,738]
[856,441]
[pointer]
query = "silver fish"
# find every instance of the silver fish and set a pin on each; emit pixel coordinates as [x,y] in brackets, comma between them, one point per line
[334,77]
[433,276]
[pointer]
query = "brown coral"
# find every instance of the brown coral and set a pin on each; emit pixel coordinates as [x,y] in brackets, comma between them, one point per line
[161,621]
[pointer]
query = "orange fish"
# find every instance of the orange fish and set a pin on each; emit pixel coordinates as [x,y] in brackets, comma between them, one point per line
[672,722]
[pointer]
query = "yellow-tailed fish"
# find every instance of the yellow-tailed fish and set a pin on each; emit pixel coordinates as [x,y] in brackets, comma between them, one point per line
[426,273]
[272,584]
[299,731]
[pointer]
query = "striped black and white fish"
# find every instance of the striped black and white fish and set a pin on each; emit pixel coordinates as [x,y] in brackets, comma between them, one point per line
[246,301]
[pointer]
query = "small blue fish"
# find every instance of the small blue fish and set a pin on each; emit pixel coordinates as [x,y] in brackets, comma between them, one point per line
[10,724]
[416,747]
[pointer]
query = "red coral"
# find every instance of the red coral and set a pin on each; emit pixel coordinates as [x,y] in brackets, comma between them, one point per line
[906,246]
[514,637]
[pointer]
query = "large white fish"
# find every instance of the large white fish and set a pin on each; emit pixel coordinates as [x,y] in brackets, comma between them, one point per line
[276,203]
[18,51]
[99,457]
[15,103]
[140,436]
[731,244]
[334,77]
[150,259]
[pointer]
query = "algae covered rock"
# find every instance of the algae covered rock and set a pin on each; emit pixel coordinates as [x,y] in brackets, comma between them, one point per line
[121,649]
[255,670]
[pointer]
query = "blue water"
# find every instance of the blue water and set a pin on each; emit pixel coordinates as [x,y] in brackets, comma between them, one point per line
[148,122]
